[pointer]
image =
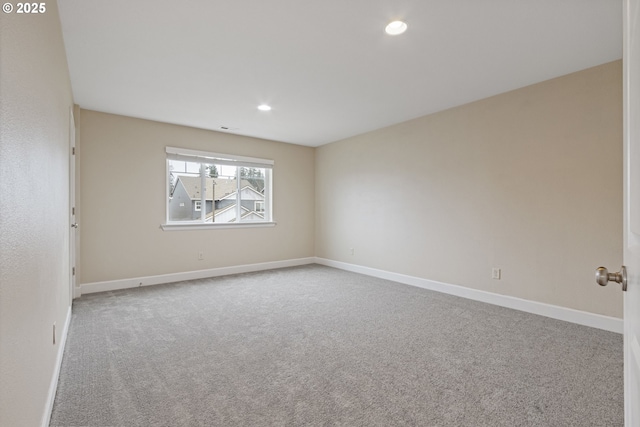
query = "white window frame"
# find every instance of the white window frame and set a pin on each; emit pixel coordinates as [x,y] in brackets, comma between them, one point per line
[206,158]
[197,205]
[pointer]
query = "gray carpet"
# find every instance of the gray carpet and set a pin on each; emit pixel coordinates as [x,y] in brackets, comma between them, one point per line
[318,346]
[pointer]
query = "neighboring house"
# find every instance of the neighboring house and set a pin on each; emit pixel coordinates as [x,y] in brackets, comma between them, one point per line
[185,203]
[251,205]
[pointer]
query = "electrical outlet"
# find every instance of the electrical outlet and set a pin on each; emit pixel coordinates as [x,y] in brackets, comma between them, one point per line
[351,251]
[496,273]
[200,256]
[54,333]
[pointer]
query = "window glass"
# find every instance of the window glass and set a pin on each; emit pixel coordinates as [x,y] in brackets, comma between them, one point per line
[209,192]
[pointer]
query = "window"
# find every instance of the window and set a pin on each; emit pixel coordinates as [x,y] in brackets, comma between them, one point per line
[212,190]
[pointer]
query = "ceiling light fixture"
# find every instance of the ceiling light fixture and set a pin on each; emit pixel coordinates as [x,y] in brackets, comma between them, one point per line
[264,107]
[396,27]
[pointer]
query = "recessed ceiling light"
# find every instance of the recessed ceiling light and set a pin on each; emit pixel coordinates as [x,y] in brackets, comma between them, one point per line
[396,27]
[264,107]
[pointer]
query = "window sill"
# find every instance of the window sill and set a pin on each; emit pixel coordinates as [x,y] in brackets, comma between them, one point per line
[211,226]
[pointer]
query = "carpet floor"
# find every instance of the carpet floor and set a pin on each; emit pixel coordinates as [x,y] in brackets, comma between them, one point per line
[316,346]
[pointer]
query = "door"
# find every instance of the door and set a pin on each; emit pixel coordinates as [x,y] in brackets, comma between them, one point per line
[72,205]
[631,78]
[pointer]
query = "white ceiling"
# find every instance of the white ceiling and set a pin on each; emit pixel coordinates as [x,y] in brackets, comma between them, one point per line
[326,66]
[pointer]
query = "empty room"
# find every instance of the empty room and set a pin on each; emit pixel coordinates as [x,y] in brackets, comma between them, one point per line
[286,213]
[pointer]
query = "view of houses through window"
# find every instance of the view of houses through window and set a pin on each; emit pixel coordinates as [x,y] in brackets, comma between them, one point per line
[227,192]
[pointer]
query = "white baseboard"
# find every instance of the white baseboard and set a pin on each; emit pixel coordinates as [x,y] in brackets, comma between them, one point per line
[46,416]
[112,285]
[556,312]
[607,323]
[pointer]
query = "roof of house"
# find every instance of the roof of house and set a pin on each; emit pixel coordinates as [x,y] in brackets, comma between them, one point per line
[245,213]
[193,186]
[243,195]
[223,186]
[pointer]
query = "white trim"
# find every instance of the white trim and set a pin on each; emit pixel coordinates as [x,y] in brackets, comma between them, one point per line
[167,191]
[112,285]
[593,320]
[187,155]
[73,230]
[53,386]
[212,225]
[238,198]
[599,321]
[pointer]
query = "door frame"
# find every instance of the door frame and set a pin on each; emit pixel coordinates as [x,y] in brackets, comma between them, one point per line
[72,207]
[631,209]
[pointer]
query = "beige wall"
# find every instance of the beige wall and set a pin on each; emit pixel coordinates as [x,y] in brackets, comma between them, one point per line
[529,181]
[123,201]
[35,102]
